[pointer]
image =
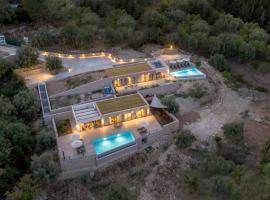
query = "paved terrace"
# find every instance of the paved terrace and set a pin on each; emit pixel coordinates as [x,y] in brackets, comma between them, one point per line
[87,136]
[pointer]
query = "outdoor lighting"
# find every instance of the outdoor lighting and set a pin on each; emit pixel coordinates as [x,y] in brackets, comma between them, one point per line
[82,56]
[45,53]
[132,60]
[93,54]
[121,60]
[102,53]
[59,55]
[69,70]
[148,111]
[78,127]
[70,56]
[171,46]
[105,138]
[118,134]
[145,59]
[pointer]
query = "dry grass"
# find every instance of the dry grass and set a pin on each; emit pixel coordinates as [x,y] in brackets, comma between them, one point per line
[127,69]
[120,103]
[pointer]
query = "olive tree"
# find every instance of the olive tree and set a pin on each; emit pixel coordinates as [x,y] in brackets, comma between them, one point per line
[26,56]
[44,167]
[27,104]
[53,63]
[218,61]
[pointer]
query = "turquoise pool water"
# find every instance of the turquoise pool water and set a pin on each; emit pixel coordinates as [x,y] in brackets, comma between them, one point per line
[112,143]
[186,73]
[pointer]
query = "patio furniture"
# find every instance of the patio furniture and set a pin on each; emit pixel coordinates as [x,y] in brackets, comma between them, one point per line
[76,144]
[81,150]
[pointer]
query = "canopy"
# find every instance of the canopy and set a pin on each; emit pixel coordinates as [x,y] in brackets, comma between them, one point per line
[156,103]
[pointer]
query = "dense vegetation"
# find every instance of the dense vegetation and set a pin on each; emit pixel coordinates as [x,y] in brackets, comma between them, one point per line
[230,28]
[20,140]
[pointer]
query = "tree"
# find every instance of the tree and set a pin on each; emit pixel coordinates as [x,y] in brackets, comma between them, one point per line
[171,104]
[60,9]
[26,56]
[36,9]
[227,23]
[218,61]
[25,189]
[5,66]
[184,139]
[6,107]
[69,35]
[44,167]
[246,51]
[45,140]
[27,104]
[43,38]
[53,63]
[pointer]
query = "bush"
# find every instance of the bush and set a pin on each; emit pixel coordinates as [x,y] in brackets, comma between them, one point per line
[119,193]
[184,139]
[44,168]
[45,140]
[218,166]
[218,61]
[53,63]
[223,185]
[25,189]
[171,104]
[233,133]
[26,56]
[196,91]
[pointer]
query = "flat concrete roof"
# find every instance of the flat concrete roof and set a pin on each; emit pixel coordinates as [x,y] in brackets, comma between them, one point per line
[121,103]
[127,69]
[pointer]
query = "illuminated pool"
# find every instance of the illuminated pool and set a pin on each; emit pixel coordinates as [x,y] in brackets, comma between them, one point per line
[112,143]
[189,73]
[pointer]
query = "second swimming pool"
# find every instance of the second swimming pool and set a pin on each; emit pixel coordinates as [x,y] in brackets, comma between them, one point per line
[189,73]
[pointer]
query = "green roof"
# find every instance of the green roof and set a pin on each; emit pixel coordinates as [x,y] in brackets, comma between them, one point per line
[127,69]
[120,103]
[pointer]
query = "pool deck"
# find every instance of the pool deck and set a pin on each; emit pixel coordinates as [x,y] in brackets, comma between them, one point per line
[87,136]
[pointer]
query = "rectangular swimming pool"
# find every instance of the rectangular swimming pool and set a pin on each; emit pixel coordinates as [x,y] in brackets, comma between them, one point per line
[188,74]
[107,145]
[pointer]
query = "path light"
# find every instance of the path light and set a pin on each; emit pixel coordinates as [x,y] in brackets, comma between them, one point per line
[121,60]
[171,46]
[69,70]
[70,56]
[93,54]
[132,60]
[59,55]
[45,53]
[82,56]
[102,53]
[145,59]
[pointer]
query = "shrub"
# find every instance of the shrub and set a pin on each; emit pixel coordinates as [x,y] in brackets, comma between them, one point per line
[218,166]
[44,168]
[53,63]
[26,56]
[171,104]
[25,189]
[218,61]
[196,91]
[45,140]
[184,139]
[223,185]
[233,133]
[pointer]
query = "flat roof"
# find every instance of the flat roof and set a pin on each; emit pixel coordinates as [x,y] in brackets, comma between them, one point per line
[120,103]
[127,69]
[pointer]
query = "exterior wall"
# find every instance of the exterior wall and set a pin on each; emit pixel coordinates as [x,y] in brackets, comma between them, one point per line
[89,164]
[164,89]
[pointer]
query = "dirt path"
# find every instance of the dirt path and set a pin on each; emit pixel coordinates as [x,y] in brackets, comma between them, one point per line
[226,107]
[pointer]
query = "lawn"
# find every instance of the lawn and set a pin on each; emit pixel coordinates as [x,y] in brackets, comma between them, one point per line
[120,103]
